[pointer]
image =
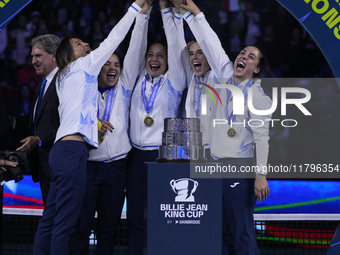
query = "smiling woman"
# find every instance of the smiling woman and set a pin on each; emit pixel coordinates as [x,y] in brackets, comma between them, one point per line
[80,49]
[198,61]
[77,92]
[157,60]
[156,96]
[70,49]
[110,72]
[248,64]
[230,144]
[107,165]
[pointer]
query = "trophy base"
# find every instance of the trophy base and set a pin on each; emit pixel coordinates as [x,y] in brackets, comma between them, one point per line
[163,160]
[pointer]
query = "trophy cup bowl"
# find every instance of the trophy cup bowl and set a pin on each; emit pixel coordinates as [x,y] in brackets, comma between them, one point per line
[181,141]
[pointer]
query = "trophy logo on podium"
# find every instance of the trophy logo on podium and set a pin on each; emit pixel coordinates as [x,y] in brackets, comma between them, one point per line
[184,188]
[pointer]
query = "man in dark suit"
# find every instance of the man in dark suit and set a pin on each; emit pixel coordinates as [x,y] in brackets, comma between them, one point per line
[44,120]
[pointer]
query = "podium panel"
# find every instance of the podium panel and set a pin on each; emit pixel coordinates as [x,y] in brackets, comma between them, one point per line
[184,215]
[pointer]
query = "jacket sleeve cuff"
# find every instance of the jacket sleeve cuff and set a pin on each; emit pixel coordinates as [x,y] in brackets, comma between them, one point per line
[261,170]
[135,8]
[188,16]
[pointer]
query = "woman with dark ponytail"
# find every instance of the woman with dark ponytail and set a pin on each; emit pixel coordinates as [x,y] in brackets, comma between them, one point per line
[78,131]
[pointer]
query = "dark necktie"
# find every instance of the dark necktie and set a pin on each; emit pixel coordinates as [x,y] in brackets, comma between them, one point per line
[41,93]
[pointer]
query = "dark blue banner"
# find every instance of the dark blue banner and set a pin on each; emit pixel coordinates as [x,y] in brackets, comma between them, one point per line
[10,8]
[322,20]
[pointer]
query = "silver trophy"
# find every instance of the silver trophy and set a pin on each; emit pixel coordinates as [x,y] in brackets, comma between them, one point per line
[181,141]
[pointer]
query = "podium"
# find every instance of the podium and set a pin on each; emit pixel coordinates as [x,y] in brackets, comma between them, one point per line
[184,215]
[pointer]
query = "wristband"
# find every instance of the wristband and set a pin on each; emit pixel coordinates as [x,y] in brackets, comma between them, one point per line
[40,143]
[99,125]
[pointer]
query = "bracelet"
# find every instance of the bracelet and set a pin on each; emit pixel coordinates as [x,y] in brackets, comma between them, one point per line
[40,143]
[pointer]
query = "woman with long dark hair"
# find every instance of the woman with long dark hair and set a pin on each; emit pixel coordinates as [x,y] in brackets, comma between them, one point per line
[232,144]
[77,91]
[156,96]
[107,165]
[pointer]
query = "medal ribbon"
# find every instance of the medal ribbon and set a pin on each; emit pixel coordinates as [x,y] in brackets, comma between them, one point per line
[148,106]
[197,97]
[108,104]
[231,117]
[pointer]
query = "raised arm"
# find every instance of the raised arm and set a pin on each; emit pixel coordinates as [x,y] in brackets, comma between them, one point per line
[181,40]
[97,58]
[208,40]
[175,67]
[134,60]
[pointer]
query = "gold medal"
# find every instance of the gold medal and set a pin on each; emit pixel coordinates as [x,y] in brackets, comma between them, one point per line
[101,138]
[231,132]
[148,121]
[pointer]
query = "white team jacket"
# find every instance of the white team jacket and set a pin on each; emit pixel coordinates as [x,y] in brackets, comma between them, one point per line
[77,88]
[250,129]
[221,145]
[116,145]
[168,97]
[221,71]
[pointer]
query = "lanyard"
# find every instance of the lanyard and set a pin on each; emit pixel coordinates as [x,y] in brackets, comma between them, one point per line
[148,106]
[231,117]
[108,104]
[197,97]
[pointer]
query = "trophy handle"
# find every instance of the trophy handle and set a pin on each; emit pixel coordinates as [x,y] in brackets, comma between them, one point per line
[172,184]
[195,187]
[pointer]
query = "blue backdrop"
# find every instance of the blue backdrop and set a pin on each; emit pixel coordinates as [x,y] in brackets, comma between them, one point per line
[322,20]
[10,8]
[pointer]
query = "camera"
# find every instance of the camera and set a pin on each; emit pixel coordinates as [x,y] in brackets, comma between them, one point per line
[14,173]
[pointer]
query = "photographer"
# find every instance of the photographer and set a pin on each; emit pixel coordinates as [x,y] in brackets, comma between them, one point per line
[4,124]
[13,165]
[4,163]
[9,171]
